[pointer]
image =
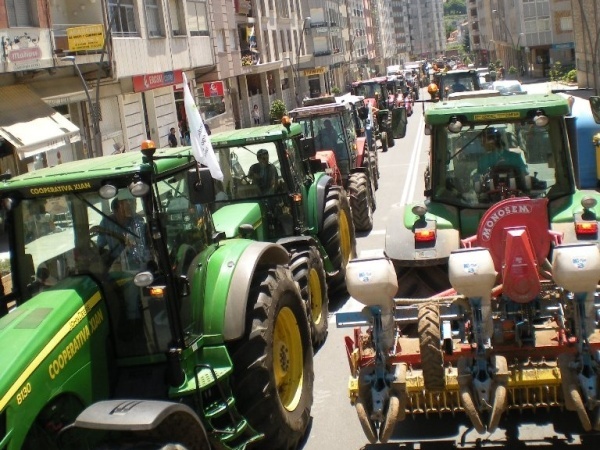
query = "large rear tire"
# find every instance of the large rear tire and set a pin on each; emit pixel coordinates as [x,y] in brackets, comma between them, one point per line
[307,270]
[338,238]
[432,358]
[273,363]
[361,202]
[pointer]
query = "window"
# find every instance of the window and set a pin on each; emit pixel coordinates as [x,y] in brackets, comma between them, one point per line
[20,13]
[124,17]
[176,17]
[197,17]
[153,18]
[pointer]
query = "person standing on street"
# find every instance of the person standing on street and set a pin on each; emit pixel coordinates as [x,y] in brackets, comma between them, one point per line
[172,138]
[255,115]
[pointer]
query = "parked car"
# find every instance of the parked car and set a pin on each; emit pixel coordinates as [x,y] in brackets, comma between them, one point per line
[508,87]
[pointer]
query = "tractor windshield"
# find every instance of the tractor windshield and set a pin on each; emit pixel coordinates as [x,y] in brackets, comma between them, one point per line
[367,90]
[483,164]
[335,132]
[249,171]
[62,237]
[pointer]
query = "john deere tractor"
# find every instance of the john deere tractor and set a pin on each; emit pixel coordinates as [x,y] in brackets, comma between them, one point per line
[485,300]
[139,322]
[274,190]
[355,162]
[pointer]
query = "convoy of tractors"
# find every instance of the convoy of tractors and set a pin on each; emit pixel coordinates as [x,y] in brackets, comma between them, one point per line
[174,308]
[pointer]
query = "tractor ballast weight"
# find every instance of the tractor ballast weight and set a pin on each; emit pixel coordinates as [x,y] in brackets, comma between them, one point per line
[167,320]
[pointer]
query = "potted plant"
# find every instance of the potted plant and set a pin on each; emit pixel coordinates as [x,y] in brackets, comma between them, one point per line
[277,111]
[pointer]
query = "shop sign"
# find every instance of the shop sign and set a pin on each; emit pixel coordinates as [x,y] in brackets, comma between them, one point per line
[155,80]
[315,71]
[564,46]
[89,37]
[213,89]
[25,49]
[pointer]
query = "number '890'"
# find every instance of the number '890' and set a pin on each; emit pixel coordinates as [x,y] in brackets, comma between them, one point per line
[23,393]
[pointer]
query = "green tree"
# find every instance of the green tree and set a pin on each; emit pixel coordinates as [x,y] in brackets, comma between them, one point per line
[277,111]
[455,7]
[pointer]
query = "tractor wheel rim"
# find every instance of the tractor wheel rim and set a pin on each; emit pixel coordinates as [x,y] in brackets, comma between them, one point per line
[345,241]
[316,296]
[288,360]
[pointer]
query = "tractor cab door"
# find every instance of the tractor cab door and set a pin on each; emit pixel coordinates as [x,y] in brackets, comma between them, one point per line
[399,121]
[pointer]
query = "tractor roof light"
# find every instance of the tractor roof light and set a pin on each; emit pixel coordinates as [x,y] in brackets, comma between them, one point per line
[107,191]
[419,210]
[138,188]
[540,120]
[455,125]
[588,202]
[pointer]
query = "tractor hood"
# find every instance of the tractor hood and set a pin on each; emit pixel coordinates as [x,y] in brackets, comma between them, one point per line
[228,218]
[48,339]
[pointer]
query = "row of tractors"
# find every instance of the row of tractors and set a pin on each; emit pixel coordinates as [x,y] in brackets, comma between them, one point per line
[168,307]
[486,298]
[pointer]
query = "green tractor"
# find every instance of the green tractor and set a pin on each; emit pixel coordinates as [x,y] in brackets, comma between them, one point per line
[137,322]
[274,190]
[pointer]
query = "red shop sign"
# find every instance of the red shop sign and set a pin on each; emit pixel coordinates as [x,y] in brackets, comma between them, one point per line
[155,80]
[213,89]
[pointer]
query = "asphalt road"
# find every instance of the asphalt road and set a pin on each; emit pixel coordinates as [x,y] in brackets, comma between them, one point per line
[335,425]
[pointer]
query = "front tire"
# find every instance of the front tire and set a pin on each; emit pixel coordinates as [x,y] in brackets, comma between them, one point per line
[307,270]
[338,237]
[273,364]
[384,142]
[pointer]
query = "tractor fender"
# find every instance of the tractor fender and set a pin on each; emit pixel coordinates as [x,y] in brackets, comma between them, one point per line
[235,307]
[361,148]
[144,415]
[317,195]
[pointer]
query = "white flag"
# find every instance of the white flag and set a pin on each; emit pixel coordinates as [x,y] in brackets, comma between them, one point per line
[201,146]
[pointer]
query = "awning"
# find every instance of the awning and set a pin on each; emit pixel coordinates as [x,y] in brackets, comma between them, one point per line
[30,125]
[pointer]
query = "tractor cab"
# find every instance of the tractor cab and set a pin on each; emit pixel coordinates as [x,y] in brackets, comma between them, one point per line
[330,126]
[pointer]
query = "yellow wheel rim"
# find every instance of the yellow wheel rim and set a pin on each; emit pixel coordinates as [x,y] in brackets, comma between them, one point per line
[316,296]
[288,360]
[345,239]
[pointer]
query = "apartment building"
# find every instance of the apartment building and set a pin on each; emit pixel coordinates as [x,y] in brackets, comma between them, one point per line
[586,30]
[67,93]
[427,34]
[530,35]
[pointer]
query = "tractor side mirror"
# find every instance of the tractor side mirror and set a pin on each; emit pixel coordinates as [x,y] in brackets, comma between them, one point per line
[595,106]
[363,113]
[200,184]
[307,146]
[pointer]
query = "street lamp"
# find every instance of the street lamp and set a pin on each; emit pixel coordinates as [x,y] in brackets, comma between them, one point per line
[95,125]
[297,82]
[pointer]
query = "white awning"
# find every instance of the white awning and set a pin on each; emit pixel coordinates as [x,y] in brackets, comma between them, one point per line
[30,124]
